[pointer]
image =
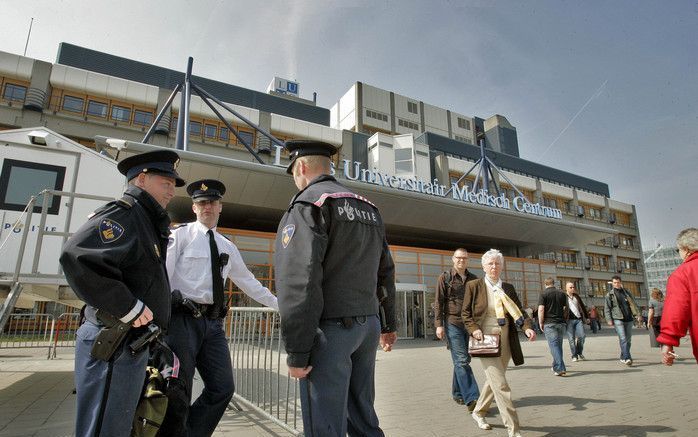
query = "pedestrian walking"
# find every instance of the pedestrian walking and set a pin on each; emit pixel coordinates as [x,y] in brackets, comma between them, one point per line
[450,289]
[681,305]
[576,319]
[621,312]
[492,306]
[552,315]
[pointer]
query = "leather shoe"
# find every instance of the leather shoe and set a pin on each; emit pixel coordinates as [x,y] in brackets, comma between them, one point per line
[459,401]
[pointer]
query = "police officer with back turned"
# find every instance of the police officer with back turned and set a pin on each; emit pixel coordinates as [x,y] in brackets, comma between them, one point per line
[116,264]
[199,259]
[334,278]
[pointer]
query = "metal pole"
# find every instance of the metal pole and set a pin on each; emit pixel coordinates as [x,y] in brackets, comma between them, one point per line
[28,35]
[40,233]
[161,114]
[202,92]
[187,103]
[230,127]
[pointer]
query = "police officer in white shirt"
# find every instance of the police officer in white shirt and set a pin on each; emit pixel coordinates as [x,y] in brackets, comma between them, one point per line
[198,261]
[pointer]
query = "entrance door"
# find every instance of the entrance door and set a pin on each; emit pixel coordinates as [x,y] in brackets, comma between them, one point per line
[409,303]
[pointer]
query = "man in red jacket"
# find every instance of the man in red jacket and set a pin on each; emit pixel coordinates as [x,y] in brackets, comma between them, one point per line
[681,304]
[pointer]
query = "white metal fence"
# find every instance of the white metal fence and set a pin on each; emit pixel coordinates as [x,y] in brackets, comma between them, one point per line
[259,365]
[33,330]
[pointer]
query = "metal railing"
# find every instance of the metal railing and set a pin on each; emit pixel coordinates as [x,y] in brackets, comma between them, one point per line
[28,331]
[65,330]
[261,376]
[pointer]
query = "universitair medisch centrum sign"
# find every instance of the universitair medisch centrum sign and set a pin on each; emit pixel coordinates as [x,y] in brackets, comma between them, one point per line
[354,172]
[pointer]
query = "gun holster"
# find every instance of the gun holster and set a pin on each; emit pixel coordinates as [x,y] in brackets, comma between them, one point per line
[110,337]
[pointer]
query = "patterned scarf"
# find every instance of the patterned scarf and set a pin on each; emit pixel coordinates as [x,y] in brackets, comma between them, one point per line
[504,303]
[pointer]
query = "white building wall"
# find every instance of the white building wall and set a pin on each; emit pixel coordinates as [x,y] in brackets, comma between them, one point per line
[435,120]
[15,66]
[557,190]
[377,100]
[620,206]
[296,128]
[466,133]
[591,199]
[401,112]
[97,84]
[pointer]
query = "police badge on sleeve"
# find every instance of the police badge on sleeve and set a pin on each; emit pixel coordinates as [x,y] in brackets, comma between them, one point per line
[110,231]
[286,235]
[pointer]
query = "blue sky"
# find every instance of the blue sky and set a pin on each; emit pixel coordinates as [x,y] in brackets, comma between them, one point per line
[603,89]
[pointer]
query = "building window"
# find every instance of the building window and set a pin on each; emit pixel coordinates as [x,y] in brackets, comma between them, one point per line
[194,128]
[247,136]
[463,123]
[408,124]
[120,113]
[223,134]
[13,92]
[376,115]
[22,179]
[403,160]
[73,104]
[97,109]
[210,131]
[142,118]
[412,107]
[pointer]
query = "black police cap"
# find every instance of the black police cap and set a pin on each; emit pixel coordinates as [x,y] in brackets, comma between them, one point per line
[298,148]
[161,162]
[206,189]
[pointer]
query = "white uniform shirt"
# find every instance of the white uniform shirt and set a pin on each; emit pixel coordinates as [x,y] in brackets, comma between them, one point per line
[189,266]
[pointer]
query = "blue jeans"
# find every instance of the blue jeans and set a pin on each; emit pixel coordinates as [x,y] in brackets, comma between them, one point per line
[458,340]
[554,332]
[575,328]
[625,334]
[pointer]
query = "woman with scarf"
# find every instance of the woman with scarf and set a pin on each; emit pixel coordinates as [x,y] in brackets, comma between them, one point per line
[491,306]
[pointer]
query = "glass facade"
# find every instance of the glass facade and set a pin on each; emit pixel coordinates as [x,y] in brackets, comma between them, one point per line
[414,268]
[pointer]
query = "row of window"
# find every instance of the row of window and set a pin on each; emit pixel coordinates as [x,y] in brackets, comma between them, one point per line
[100,108]
[463,123]
[463,139]
[13,92]
[408,124]
[376,115]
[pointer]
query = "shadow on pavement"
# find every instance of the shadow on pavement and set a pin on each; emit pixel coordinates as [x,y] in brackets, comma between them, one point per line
[601,430]
[577,403]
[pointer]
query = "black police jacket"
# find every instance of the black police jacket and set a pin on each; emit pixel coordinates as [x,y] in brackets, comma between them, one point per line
[331,255]
[118,257]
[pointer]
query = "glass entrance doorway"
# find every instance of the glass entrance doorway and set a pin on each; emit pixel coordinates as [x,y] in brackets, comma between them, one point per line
[411,313]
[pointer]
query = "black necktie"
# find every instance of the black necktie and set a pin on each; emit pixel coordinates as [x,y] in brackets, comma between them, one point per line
[216,272]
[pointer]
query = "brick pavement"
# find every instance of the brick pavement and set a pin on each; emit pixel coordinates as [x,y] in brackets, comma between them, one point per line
[599,397]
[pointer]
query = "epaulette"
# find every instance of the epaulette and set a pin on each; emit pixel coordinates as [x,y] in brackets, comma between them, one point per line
[225,236]
[126,202]
[181,225]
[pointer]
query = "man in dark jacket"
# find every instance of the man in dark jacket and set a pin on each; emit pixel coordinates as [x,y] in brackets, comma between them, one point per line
[621,310]
[331,257]
[450,289]
[577,318]
[116,264]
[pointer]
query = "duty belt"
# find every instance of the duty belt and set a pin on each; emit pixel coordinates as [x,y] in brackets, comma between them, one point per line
[201,309]
[347,322]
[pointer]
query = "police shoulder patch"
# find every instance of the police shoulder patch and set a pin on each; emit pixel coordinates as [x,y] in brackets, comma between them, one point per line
[287,234]
[110,231]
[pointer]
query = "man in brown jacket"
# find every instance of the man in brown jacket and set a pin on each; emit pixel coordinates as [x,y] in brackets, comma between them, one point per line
[449,324]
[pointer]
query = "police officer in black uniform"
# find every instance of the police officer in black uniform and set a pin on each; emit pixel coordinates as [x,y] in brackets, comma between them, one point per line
[116,264]
[334,277]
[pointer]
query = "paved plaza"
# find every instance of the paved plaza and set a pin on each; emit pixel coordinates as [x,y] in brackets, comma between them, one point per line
[599,397]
